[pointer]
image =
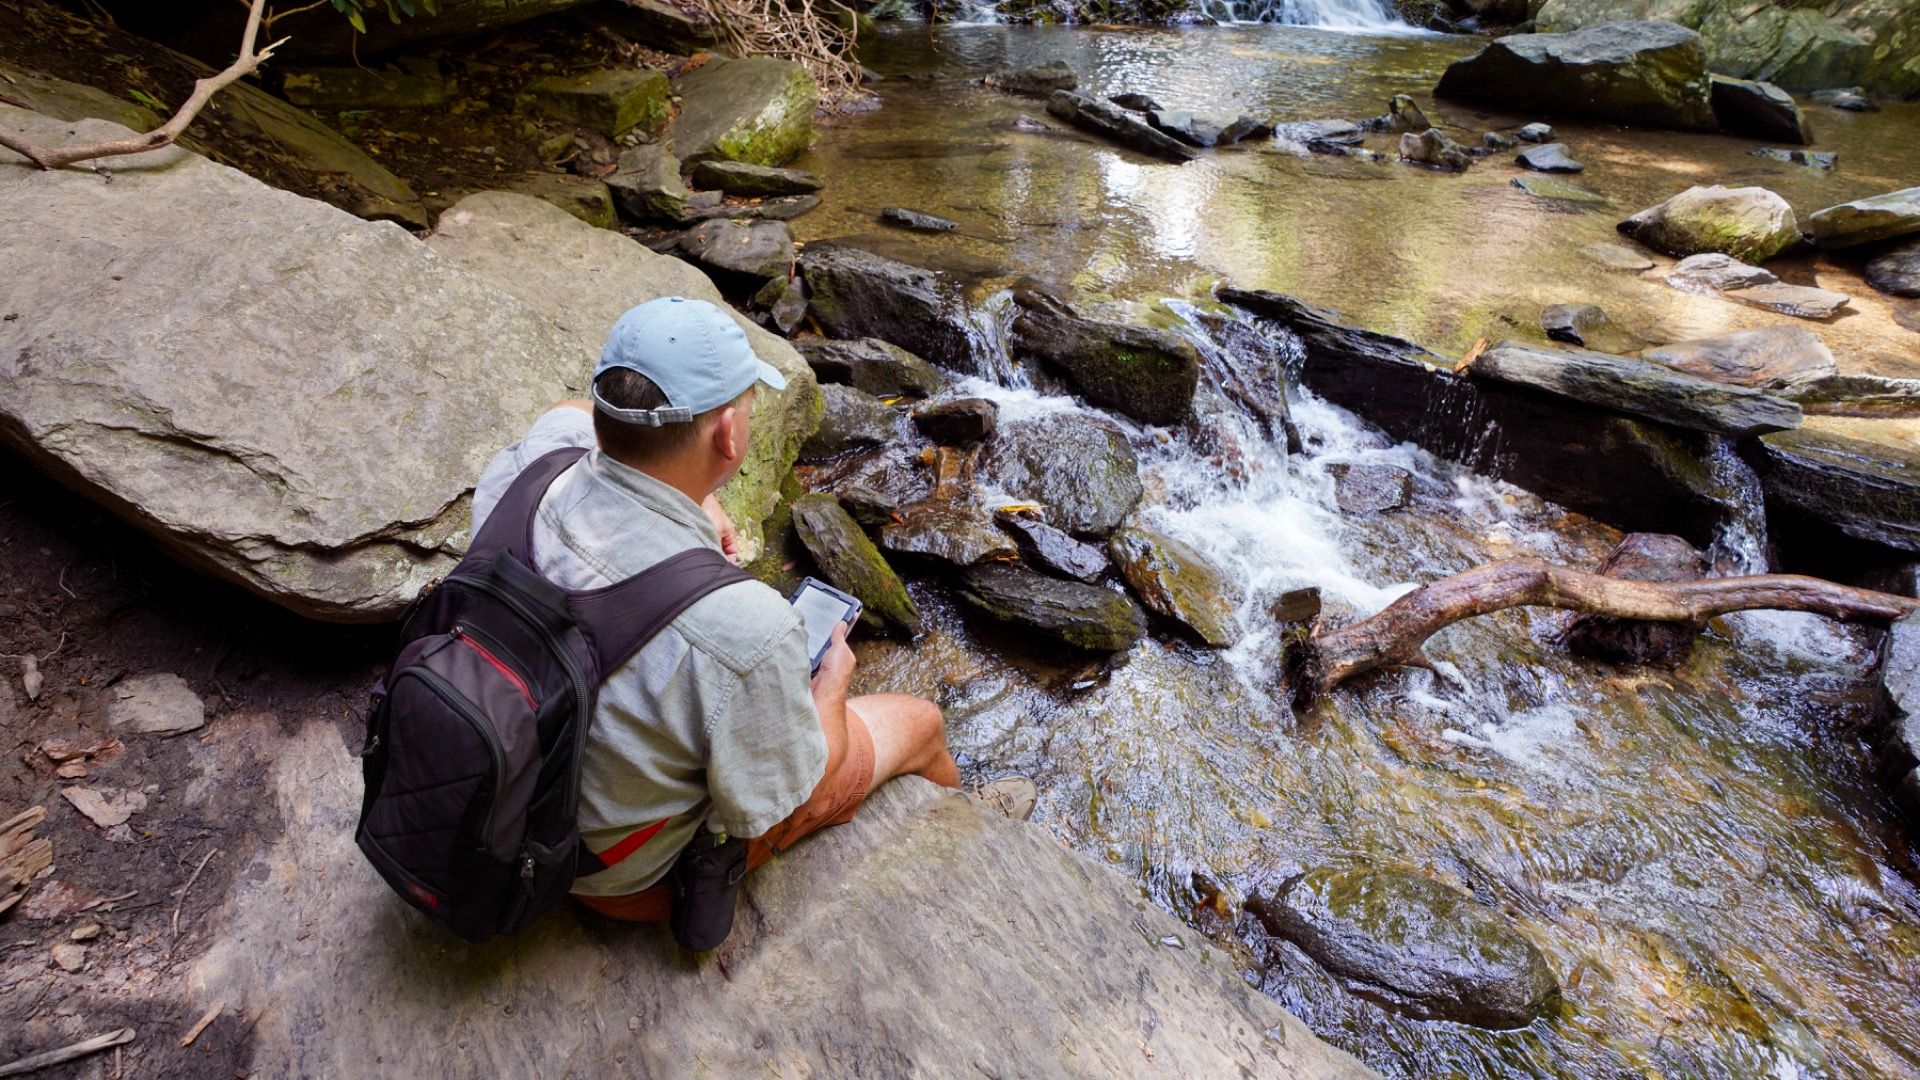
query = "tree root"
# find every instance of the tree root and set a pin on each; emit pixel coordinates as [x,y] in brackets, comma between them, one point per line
[1395,635]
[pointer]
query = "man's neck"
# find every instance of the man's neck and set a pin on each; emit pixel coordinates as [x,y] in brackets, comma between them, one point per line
[691,481]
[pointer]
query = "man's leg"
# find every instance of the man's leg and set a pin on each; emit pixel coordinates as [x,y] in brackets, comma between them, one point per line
[909,738]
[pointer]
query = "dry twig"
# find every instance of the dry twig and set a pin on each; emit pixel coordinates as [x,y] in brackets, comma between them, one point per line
[195,876]
[200,1026]
[1394,636]
[248,62]
[791,30]
[67,1053]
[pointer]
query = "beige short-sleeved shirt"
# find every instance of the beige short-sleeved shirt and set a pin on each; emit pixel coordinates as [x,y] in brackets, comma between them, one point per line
[713,720]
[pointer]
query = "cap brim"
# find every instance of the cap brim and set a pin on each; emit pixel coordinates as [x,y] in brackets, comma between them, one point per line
[771,375]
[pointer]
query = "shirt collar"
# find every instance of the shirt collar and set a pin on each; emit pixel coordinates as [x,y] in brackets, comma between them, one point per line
[656,495]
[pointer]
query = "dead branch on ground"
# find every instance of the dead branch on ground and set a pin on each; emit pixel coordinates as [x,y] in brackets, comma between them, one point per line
[792,31]
[1395,635]
[249,61]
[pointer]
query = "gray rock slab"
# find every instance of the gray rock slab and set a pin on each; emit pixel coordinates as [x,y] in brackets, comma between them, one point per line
[1812,159]
[859,293]
[1870,491]
[1038,80]
[1896,272]
[1731,279]
[1566,191]
[1771,357]
[755,249]
[917,220]
[157,704]
[1548,158]
[1111,121]
[584,279]
[1069,613]
[1321,136]
[1760,110]
[1639,388]
[1370,489]
[741,178]
[1535,133]
[1050,549]
[1632,72]
[759,111]
[1863,221]
[1079,468]
[1616,257]
[1190,128]
[872,365]
[307,419]
[889,946]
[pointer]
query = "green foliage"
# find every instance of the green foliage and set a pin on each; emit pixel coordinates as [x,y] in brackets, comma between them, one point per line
[356,10]
[148,100]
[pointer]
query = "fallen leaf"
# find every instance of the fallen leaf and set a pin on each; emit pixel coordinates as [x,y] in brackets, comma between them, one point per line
[30,679]
[105,807]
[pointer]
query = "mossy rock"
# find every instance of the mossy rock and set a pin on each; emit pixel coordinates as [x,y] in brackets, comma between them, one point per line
[1751,224]
[1148,374]
[758,111]
[1081,616]
[851,562]
[1177,582]
[611,102]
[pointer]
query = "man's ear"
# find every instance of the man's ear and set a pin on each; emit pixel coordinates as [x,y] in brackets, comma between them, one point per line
[724,429]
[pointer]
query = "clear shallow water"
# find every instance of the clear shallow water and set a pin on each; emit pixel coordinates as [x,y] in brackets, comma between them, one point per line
[1716,881]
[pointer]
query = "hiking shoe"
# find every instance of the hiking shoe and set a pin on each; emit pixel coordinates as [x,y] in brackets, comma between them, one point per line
[1011,797]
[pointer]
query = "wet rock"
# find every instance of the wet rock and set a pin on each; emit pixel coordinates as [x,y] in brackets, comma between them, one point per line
[874,487]
[1772,357]
[1189,128]
[1863,221]
[1249,368]
[1082,616]
[1850,100]
[743,178]
[1897,272]
[159,704]
[355,88]
[759,111]
[1038,81]
[849,561]
[858,293]
[1037,127]
[1079,468]
[1760,110]
[611,102]
[1647,73]
[1867,396]
[1571,322]
[1734,280]
[958,421]
[1435,150]
[589,200]
[1640,557]
[948,530]
[783,302]
[754,249]
[1296,606]
[1493,140]
[1139,103]
[1812,159]
[1178,583]
[916,220]
[1403,114]
[1114,123]
[1145,373]
[872,365]
[1244,128]
[1550,187]
[584,279]
[1370,489]
[1751,224]
[1412,944]
[1870,491]
[783,208]
[1321,136]
[1549,158]
[1534,133]
[1050,549]
[849,419]
[1638,387]
[1616,257]
[647,184]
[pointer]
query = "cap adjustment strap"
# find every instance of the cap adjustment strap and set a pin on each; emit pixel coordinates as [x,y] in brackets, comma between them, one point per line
[666,414]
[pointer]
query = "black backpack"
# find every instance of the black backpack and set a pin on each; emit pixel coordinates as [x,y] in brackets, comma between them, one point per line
[474,740]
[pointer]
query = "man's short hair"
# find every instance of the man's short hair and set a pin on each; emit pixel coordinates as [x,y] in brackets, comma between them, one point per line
[637,444]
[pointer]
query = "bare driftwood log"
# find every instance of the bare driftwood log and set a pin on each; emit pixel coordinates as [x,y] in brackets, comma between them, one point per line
[249,61]
[1394,636]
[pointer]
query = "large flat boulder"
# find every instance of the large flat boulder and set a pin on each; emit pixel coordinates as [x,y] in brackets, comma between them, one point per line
[1758,109]
[859,293]
[759,111]
[585,278]
[285,395]
[1870,491]
[1863,221]
[1642,72]
[1639,388]
[901,944]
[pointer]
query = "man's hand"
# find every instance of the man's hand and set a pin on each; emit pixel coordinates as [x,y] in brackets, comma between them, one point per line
[836,667]
[729,542]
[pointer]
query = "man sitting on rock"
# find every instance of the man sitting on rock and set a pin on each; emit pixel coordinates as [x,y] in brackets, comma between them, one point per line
[716,722]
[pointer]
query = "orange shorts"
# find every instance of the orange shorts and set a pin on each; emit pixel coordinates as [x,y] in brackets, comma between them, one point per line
[833,802]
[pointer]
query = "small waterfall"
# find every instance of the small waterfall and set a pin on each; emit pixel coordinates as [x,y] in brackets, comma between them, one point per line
[1350,16]
[1740,541]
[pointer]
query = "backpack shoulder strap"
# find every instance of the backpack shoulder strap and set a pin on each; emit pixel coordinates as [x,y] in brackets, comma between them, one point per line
[510,526]
[621,618]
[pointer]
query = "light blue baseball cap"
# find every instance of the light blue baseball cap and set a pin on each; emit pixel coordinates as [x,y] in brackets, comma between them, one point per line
[693,351]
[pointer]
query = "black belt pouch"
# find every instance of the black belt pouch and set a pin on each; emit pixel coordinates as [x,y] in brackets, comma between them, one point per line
[706,886]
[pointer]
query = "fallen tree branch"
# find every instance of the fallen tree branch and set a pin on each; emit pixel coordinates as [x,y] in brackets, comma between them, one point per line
[1395,635]
[247,63]
[67,1053]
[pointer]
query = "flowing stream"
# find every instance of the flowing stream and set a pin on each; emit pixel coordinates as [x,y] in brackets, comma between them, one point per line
[1702,855]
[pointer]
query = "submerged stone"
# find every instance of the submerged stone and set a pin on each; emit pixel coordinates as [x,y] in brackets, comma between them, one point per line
[1617,257]
[1413,945]
[1734,280]
[916,220]
[1751,224]
[1039,80]
[1079,468]
[1640,557]
[1370,489]
[1177,582]
[1321,136]
[879,368]
[1148,374]
[1644,72]
[1812,159]
[1897,271]
[1850,99]
[1139,103]
[1435,150]
[849,561]
[1771,357]
[1548,187]
[1081,616]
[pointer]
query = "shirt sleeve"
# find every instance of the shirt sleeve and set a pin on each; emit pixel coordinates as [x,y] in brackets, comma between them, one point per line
[766,752]
[557,429]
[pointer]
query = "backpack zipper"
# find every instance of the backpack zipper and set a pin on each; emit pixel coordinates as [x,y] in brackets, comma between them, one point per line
[583,702]
[468,637]
[466,712]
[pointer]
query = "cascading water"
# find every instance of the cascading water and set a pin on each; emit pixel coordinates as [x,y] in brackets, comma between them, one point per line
[1350,16]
